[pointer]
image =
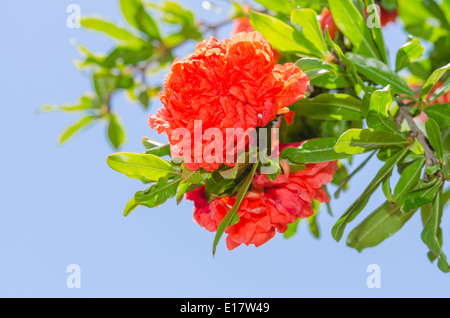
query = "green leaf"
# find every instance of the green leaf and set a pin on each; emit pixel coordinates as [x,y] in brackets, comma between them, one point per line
[386,187]
[134,12]
[116,132]
[355,141]
[382,223]
[430,231]
[421,195]
[146,166]
[357,206]
[85,102]
[434,137]
[329,107]
[306,22]
[314,68]
[158,193]
[282,36]
[439,113]
[312,220]
[131,205]
[155,147]
[432,80]
[441,90]
[110,29]
[377,33]
[231,215]
[353,25]
[409,53]
[292,229]
[313,151]
[408,180]
[279,6]
[70,131]
[378,116]
[380,73]
[182,189]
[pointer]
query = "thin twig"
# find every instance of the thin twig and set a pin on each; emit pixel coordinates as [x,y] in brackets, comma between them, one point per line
[416,133]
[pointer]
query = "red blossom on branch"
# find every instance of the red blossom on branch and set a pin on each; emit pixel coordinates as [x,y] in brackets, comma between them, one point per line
[233,83]
[268,207]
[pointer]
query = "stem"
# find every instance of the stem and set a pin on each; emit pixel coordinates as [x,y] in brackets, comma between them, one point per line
[415,132]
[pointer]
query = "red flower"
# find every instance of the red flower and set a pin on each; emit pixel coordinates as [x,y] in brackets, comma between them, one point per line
[229,84]
[326,19]
[268,207]
[387,16]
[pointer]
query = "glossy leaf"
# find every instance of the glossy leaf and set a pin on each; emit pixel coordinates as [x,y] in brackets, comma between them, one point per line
[439,113]
[432,80]
[430,232]
[131,205]
[282,36]
[434,137]
[76,127]
[408,180]
[409,53]
[313,151]
[380,73]
[355,141]
[382,223]
[421,195]
[314,68]
[146,166]
[353,25]
[110,29]
[378,116]
[158,193]
[134,12]
[359,204]
[309,26]
[116,132]
[329,107]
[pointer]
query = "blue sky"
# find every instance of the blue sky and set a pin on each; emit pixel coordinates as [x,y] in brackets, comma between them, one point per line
[63,205]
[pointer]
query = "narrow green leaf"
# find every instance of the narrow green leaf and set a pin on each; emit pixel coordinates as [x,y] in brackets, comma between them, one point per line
[314,68]
[116,132]
[386,186]
[380,73]
[432,80]
[155,147]
[377,33]
[158,193]
[308,24]
[430,231]
[434,137]
[355,141]
[409,53]
[182,189]
[357,206]
[70,131]
[131,205]
[441,90]
[282,36]
[329,107]
[134,12]
[110,29]
[353,25]
[439,113]
[313,151]
[292,229]
[421,195]
[408,180]
[231,215]
[382,223]
[378,116]
[141,165]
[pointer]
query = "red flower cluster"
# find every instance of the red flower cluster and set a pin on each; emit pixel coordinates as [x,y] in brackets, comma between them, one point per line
[233,83]
[268,207]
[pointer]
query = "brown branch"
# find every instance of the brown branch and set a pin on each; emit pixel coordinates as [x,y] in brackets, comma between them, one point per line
[416,133]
